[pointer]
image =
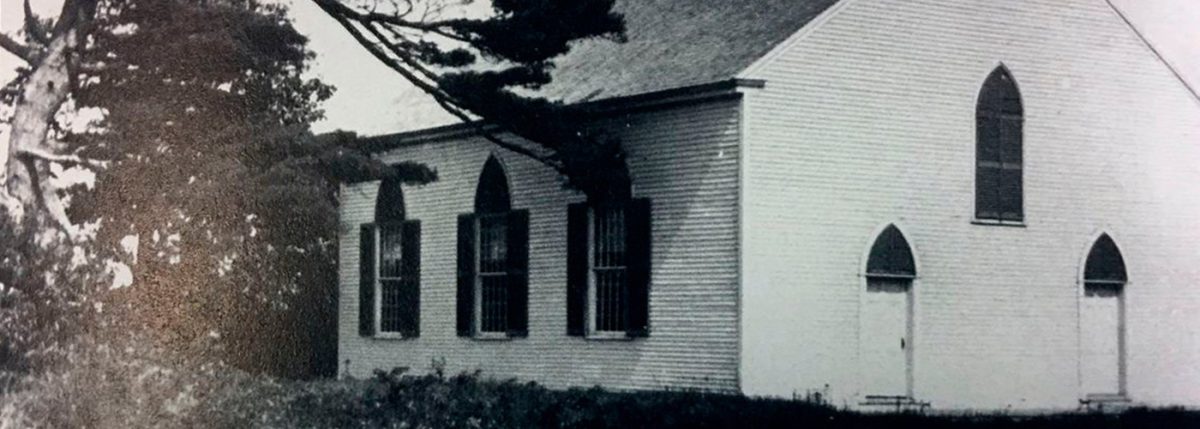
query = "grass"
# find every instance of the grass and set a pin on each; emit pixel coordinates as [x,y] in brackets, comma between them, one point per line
[100,390]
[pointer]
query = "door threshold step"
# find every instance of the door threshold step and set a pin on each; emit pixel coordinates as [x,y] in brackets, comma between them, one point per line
[898,403]
[1105,402]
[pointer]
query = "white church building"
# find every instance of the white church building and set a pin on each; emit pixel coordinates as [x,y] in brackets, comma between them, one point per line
[960,204]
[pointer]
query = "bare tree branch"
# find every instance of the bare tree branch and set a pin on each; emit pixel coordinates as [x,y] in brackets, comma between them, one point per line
[336,8]
[23,52]
[47,197]
[440,96]
[62,158]
[33,28]
[75,15]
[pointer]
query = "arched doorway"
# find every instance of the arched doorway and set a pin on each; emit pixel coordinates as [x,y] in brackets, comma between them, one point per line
[1102,321]
[886,318]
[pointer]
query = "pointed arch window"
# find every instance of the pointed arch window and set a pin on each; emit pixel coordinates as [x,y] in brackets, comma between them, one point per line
[1105,265]
[999,120]
[389,286]
[493,291]
[608,264]
[891,256]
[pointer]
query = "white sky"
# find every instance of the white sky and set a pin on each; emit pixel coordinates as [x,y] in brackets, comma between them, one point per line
[372,99]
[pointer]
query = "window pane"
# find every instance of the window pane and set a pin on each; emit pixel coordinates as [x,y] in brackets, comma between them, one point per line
[493,272]
[988,139]
[1010,194]
[493,244]
[491,194]
[610,299]
[1000,95]
[609,235]
[987,184]
[891,255]
[390,251]
[493,303]
[1104,262]
[391,308]
[1010,140]
[609,250]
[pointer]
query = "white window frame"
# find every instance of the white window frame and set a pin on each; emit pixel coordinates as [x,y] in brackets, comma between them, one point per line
[378,304]
[590,312]
[477,287]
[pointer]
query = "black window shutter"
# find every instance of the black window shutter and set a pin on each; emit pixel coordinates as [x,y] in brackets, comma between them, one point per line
[411,266]
[638,244]
[577,267]
[366,280]
[466,275]
[518,273]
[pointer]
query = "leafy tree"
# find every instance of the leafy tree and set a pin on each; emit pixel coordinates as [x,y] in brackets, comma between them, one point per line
[483,70]
[212,188]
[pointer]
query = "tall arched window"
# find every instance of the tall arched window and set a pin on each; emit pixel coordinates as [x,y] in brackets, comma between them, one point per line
[887,319]
[1102,321]
[999,118]
[389,293]
[493,290]
[608,263]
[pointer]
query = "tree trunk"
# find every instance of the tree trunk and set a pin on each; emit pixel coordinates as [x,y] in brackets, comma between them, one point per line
[26,176]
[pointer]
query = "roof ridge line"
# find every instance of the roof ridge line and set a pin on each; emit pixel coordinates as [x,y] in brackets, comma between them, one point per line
[1153,49]
[793,39]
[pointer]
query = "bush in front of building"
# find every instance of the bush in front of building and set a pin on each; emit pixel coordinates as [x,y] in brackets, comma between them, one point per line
[133,387]
[435,400]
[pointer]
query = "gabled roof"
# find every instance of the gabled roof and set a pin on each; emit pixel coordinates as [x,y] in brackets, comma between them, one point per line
[678,43]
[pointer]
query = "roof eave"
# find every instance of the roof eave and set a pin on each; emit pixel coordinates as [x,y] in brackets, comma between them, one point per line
[603,107]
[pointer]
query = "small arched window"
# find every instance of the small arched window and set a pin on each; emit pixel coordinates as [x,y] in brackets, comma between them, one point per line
[493,290]
[389,293]
[891,256]
[491,193]
[389,205]
[999,118]
[1105,265]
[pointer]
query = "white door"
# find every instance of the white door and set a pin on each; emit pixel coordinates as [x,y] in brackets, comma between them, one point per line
[886,337]
[1100,351]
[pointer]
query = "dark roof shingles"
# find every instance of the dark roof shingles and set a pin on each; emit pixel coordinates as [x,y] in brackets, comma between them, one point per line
[678,43]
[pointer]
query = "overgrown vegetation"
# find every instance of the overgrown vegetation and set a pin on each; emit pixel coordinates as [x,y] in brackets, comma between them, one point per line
[124,388]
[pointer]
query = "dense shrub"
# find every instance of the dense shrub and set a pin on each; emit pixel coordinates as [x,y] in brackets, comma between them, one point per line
[396,399]
[107,387]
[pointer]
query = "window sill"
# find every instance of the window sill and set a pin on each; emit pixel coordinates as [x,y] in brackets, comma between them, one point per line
[608,336]
[492,336]
[994,222]
[391,336]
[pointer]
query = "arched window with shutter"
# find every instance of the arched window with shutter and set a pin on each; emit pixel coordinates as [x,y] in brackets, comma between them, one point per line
[608,263]
[389,293]
[999,121]
[493,285]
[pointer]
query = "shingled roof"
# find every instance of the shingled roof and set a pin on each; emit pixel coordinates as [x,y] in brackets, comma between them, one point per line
[678,43]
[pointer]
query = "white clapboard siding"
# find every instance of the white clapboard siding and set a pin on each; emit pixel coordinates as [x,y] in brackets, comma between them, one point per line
[684,158]
[870,120]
